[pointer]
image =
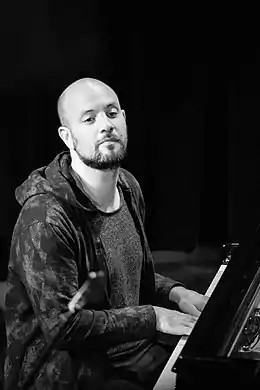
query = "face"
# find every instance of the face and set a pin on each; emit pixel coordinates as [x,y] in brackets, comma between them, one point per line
[97,126]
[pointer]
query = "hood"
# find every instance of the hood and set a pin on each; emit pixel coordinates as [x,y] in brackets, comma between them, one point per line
[54,179]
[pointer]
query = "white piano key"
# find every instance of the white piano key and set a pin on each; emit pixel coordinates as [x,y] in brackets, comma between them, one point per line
[167,379]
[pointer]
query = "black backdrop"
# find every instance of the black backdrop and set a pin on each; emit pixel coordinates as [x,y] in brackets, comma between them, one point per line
[191,97]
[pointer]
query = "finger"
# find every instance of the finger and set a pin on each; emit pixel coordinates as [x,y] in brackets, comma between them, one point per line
[182,330]
[193,319]
[202,303]
[188,308]
[187,330]
[189,321]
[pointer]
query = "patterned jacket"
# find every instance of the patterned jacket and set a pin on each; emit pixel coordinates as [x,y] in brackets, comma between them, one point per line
[52,251]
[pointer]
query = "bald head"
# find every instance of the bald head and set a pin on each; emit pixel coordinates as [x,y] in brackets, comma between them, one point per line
[82,90]
[93,124]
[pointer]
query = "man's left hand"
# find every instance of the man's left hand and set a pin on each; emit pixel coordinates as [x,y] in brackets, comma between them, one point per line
[189,301]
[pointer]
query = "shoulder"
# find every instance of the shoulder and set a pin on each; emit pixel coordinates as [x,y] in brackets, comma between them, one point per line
[42,209]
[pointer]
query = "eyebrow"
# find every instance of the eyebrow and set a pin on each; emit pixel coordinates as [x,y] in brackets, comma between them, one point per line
[113,104]
[86,112]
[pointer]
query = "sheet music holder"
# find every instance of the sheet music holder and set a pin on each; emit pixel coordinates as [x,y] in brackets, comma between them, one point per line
[223,350]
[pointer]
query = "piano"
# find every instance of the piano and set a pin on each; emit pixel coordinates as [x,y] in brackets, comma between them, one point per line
[223,350]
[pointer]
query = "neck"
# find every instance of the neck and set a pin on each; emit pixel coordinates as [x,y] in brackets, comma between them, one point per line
[99,185]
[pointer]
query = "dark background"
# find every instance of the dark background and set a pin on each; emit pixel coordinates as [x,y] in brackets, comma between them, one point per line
[189,84]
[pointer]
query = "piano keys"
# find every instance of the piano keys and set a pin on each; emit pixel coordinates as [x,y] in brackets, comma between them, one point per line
[223,350]
[167,379]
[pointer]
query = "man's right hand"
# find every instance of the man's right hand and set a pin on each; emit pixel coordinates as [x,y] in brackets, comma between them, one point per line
[173,322]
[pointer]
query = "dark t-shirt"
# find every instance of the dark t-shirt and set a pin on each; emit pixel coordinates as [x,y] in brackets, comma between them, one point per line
[124,253]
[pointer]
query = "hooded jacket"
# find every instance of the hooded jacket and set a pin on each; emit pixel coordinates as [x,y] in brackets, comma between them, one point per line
[52,251]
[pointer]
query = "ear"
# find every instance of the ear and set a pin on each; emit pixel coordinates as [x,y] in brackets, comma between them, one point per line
[123,112]
[65,135]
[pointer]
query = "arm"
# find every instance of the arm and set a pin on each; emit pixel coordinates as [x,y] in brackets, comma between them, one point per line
[163,287]
[49,272]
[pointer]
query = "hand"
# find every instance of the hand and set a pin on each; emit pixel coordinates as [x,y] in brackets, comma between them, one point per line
[189,301]
[173,322]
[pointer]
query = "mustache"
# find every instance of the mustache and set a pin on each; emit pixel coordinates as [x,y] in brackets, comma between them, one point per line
[111,139]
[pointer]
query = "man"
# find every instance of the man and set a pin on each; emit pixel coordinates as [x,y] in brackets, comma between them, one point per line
[84,213]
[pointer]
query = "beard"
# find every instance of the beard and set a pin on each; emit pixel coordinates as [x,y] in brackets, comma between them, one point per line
[102,161]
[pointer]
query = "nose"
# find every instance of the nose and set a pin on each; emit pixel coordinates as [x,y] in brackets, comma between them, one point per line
[105,125]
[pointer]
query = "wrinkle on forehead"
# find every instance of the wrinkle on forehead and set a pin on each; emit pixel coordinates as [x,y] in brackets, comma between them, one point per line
[80,90]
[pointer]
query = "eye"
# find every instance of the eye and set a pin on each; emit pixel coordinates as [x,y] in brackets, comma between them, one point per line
[88,119]
[112,113]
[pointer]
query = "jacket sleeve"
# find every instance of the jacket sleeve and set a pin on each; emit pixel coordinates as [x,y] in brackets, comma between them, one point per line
[48,270]
[162,285]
